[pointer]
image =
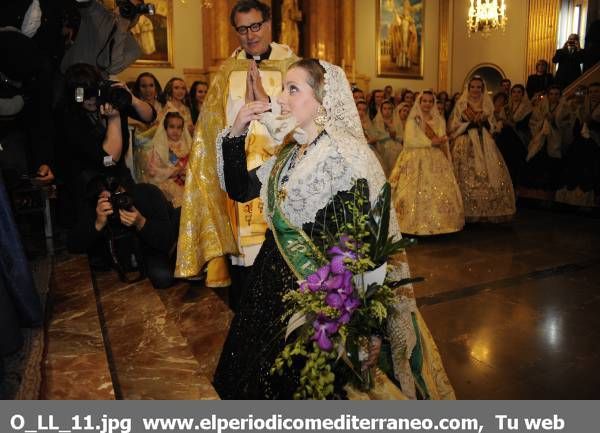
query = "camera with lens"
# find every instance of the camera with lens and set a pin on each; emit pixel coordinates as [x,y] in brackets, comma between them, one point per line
[129,11]
[121,200]
[96,183]
[123,246]
[104,93]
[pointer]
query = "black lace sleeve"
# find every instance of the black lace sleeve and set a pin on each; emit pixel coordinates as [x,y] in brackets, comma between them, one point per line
[242,185]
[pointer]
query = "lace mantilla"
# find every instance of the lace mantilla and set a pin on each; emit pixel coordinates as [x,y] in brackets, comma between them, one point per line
[327,169]
[342,117]
[335,163]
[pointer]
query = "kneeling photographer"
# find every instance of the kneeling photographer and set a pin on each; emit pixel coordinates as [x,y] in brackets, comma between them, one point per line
[97,140]
[137,228]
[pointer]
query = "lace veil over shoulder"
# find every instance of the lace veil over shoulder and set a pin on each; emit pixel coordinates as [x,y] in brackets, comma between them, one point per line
[340,157]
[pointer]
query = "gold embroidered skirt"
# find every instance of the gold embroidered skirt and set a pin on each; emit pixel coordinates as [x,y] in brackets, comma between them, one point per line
[425,193]
[482,200]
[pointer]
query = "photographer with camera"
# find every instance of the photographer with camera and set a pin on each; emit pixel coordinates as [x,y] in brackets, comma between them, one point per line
[97,140]
[569,59]
[138,221]
[95,123]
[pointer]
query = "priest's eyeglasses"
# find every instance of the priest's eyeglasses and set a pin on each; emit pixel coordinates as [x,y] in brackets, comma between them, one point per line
[242,30]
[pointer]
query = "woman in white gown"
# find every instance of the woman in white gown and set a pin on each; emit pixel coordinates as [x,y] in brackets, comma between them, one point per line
[479,168]
[424,191]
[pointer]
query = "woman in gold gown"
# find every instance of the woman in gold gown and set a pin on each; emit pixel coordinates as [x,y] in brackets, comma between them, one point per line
[424,191]
[480,170]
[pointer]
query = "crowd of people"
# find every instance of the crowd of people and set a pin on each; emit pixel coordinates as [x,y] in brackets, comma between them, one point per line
[465,158]
[147,169]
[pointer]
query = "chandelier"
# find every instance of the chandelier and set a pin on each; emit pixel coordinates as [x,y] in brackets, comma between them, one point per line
[486,15]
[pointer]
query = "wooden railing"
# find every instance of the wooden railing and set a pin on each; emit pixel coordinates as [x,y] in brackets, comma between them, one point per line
[588,77]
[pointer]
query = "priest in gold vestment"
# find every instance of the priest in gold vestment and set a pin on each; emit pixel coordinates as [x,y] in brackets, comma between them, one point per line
[211,226]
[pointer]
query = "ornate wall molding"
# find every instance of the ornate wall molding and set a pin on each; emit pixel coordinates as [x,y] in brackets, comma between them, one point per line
[444,36]
[542,32]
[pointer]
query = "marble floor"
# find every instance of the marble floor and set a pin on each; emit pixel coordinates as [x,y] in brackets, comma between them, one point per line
[514,309]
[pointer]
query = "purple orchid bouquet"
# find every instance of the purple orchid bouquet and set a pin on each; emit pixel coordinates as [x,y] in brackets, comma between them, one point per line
[337,309]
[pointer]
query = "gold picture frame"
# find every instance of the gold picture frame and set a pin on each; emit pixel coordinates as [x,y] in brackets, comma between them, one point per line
[400,28]
[154,35]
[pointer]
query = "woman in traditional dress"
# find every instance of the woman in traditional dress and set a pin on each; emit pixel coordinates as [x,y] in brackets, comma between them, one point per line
[374,135]
[550,124]
[176,95]
[402,111]
[480,171]
[303,187]
[167,163]
[388,120]
[513,134]
[580,179]
[147,88]
[424,191]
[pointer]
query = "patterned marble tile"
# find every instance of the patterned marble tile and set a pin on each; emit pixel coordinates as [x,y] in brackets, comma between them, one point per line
[151,358]
[202,318]
[76,366]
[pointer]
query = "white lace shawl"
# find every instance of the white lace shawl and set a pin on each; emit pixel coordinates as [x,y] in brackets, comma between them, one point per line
[327,169]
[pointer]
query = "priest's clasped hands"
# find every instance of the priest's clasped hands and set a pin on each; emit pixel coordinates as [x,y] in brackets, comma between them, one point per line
[254,88]
[257,102]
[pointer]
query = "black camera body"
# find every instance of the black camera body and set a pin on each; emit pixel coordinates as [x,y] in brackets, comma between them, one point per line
[104,93]
[121,200]
[129,11]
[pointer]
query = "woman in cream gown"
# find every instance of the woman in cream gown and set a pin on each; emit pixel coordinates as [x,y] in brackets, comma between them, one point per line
[480,171]
[424,191]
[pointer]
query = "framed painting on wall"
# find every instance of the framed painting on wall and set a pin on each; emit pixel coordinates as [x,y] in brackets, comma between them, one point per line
[154,34]
[400,34]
